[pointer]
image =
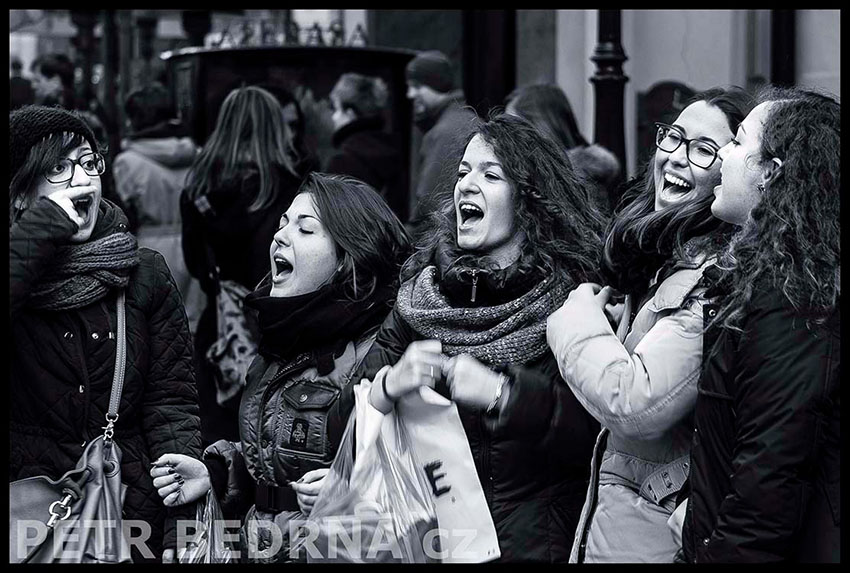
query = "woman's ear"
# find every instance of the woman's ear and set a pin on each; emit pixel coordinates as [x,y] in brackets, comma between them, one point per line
[771,171]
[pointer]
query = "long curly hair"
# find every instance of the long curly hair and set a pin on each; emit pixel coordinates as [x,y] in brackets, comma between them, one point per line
[563,233]
[250,135]
[791,241]
[640,239]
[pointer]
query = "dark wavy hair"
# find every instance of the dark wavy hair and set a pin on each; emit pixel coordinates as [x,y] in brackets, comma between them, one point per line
[640,239]
[371,242]
[546,106]
[791,241]
[562,230]
[149,106]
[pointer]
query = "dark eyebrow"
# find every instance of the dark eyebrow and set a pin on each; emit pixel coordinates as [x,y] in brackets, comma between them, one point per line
[491,164]
[703,138]
[303,216]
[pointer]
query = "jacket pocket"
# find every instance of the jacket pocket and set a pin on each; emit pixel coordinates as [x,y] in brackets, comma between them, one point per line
[304,412]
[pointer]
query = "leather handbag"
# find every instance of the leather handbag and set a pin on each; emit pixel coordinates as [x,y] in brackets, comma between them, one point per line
[76,518]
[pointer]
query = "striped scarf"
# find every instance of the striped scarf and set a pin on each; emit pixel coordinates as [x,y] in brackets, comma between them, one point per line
[510,333]
[83,273]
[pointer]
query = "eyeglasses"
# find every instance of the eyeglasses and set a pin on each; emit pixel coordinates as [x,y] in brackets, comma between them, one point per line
[700,153]
[92,163]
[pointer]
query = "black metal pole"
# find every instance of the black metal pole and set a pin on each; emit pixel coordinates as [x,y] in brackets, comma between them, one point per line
[609,84]
[783,36]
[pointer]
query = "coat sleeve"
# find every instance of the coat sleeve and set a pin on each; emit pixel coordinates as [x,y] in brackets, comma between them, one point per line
[390,343]
[131,180]
[33,241]
[639,395]
[170,412]
[542,410]
[232,483]
[783,374]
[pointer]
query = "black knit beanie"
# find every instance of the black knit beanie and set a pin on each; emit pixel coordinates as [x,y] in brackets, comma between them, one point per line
[30,124]
[433,69]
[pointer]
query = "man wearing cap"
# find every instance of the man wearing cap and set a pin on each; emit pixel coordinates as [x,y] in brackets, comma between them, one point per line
[438,110]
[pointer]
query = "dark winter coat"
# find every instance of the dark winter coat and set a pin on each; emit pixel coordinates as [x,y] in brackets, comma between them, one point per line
[62,367]
[765,473]
[366,152]
[240,240]
[532,462]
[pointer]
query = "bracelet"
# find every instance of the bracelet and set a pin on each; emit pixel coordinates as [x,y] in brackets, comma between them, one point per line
[384,388]
[502,380]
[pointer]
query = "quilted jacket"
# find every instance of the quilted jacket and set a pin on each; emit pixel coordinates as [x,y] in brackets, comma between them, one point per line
[643,391]
[62,367]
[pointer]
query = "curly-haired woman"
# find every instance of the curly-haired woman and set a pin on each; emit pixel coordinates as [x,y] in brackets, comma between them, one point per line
[765,474]
[641,386]
[507,244]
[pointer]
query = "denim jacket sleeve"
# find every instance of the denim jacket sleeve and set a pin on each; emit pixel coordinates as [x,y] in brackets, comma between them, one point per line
[639,394]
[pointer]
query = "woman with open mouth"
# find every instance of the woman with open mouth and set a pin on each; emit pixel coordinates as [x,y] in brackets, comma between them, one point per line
[638,379]
[334,263]
[70,256]
[513,236]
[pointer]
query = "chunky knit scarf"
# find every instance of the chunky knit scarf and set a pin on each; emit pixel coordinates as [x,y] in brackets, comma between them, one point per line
[83,273]
[510,333]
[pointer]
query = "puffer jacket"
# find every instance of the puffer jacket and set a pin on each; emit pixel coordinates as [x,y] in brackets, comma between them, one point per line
[765,483]
[642,391]
[62,368]
[531,460]
[283,427]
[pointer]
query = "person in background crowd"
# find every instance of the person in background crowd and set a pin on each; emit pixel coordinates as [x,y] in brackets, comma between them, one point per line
[69,255]
[294,116]
[364,150]
[766,456]
[21,92]
[53,81]
[149,175]
[504,248]
[642,386]
[238,185]
[439,112]
[546,106]
[334,272]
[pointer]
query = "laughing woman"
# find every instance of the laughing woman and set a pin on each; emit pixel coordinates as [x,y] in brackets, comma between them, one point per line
[69,257]
[766,458]
[334,271]
[642,386]
[504,249]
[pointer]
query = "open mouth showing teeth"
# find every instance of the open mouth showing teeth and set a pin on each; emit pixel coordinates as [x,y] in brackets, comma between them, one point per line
[82,204]
[470,213]
[281,267]
[676,184]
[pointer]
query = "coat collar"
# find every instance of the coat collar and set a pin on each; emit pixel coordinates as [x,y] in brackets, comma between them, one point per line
[674,289]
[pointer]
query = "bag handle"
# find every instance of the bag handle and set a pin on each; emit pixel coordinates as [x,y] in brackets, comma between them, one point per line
[120,367]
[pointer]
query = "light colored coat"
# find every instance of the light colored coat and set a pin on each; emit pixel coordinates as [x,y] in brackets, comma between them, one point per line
[643,391]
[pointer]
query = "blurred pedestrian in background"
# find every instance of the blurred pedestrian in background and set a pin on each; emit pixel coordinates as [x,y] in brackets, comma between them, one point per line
[237,187]
[439,112]
[766,458]
[21,92]
[639,377]
[363,149]
[53,80]
[546,106]
[508,242]
[149,174]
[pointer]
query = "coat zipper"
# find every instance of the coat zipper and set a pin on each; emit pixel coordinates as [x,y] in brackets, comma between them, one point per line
[485,460]
[283,372]
[474,284]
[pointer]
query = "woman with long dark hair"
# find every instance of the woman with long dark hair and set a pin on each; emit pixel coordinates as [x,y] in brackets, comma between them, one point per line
[509,240]
[70,257]
[238,185]
[766,470]
[334,264]
[640,382]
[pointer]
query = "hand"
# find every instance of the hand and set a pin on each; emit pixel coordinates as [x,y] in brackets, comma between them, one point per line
[614,312]
[180,479]
[470,382]
[65,199]
[308,487]
[168,555]
[420,365]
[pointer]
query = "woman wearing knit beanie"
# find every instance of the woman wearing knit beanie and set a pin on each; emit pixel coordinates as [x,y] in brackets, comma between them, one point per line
[508,242]
[70,256]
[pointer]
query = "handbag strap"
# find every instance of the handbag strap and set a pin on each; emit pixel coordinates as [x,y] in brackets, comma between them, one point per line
[120,367]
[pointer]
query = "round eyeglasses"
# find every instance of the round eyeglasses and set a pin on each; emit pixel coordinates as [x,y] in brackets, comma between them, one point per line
[92,163]
[701,153]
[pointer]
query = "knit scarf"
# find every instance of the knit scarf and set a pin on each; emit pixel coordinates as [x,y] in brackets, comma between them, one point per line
[509,333]
[83,273]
